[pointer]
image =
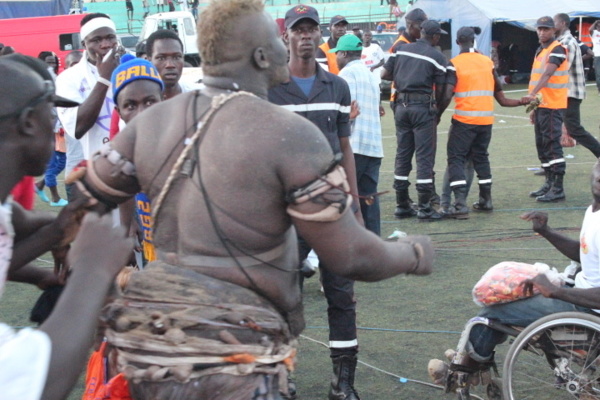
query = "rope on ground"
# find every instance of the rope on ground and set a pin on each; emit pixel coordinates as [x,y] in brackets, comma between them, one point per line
[400,378]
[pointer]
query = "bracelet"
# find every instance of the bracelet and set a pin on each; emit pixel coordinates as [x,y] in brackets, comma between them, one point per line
[103,81]
[418,254]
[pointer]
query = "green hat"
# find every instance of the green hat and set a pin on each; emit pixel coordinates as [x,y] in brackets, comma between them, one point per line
[348,43]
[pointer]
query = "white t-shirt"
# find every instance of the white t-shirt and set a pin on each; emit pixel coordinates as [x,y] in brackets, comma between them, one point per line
[371,56]
[589,251]
[24,356]
[77,83]
[596,42]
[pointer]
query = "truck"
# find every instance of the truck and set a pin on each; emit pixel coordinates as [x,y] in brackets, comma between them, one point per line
[30,36]
[183,23]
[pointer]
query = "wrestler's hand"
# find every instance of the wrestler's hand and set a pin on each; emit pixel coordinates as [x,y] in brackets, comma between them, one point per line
[69,219]
[61,267]
[99,249]
[424,248]
[542,284]
[539,220]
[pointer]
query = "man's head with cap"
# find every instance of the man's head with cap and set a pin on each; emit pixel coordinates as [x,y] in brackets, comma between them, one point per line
[348,48]
[26,112]
[136,85]
[465,36]
[338,25]
[414,18]
[432,30]
[545,29]
[303,33]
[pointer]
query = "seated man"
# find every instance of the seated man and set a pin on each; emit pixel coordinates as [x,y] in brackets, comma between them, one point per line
[478,353]
[231,178]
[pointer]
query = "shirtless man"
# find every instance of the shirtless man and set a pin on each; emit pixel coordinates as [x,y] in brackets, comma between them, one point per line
[226,280]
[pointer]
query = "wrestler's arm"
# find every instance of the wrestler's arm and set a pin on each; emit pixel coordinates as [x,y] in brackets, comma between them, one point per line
[97,255]
[343,245]
[37,234]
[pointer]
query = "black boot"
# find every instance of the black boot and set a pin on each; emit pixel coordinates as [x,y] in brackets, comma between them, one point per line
[545,187]
[342,381]
[485,199]
[403,205]
[556,192]
[459,210]
[426,212]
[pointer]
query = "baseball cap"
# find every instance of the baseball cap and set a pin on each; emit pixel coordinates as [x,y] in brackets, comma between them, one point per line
[337,19]
[41,68]
[348,43]
[416,15]
[299,12]
[431,27]
[132,69]
[545,22]
[465,34]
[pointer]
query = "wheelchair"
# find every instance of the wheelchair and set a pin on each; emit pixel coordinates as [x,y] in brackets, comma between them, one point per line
[556,357]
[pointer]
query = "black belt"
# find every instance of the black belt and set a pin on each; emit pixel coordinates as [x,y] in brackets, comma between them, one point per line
[406,97]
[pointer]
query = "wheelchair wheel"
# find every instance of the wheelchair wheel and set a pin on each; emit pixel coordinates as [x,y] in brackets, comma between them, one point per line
[555,358]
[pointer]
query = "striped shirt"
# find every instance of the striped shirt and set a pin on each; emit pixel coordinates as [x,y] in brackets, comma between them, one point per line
[327,105]
[417,67]
[576,73]
[366,130]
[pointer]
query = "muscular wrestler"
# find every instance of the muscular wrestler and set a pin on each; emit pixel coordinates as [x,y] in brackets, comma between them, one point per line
[231,180]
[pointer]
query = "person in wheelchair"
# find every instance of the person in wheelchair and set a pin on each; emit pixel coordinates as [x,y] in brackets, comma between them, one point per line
[471,363]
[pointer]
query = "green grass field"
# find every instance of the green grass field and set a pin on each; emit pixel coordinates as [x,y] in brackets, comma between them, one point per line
[407,320]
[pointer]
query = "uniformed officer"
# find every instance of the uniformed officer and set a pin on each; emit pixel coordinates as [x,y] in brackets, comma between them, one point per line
[474,83]
[338,26]
[416,69]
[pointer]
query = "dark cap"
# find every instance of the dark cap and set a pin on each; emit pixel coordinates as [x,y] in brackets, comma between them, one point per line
[337,19]
[545,22]
[416,15]
[465,34]
[431,27]
[299,12]
[41,68]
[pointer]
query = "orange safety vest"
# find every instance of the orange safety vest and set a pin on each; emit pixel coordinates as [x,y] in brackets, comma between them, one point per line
[331,58]
[474,91]
[556,90]
[392,87]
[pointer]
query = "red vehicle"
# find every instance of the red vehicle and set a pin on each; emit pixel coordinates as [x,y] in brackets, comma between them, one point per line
[31,36]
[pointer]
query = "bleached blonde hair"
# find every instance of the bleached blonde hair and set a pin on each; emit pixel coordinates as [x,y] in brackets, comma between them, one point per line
[215,27]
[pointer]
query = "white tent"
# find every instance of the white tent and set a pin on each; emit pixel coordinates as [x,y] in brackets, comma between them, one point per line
[483,13]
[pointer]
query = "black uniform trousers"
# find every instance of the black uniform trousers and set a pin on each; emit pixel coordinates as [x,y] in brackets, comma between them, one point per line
[464,141]
[341,306]
[572,119]
[416,132]
[548,129]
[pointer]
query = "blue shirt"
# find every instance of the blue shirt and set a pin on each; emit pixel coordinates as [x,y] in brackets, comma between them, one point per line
[366,132]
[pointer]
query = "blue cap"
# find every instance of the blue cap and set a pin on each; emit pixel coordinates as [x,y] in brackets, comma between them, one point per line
[132,69]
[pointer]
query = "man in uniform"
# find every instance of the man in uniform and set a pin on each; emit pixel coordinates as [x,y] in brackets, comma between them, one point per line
[324,99]
[473,81]
[227,268]
[550,78]
[419,73]
[571,114]
[338,27]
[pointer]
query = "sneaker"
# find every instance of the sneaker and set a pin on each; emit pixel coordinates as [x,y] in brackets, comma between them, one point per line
[59,203]
[41,194]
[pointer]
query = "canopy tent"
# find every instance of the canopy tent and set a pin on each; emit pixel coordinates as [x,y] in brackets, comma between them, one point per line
[483,13]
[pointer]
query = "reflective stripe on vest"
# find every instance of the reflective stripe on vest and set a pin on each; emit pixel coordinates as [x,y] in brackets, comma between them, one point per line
[393,87]
[474,91]
[556,90]
[331,59]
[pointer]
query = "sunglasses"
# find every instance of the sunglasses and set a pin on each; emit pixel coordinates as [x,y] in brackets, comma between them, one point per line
[46,95]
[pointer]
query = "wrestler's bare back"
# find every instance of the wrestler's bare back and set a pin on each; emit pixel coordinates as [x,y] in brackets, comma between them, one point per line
[250,155]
